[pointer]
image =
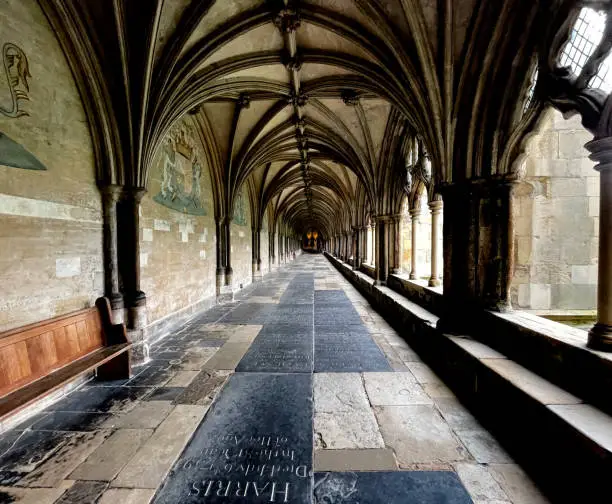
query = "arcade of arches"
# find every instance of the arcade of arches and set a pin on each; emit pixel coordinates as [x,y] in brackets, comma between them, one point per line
[453,160]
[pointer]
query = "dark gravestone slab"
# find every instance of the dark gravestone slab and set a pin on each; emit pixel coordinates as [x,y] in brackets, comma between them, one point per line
[254,445]
[337,357]
[31,449]
[288,356]
[100,399]
[203,388]
[415,487]
[165,394]
[71,421]
[248,313]
[153,375]
[83,492]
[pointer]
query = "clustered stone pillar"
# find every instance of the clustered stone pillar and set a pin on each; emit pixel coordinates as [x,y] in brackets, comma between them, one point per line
[395,247]
[373,252]
[110,196]
[356,251]
[478,252]
[415,214]
[600,336]
[135,299]
[256,254]
[220,272]
[272,257]
[436,210]
[382,239]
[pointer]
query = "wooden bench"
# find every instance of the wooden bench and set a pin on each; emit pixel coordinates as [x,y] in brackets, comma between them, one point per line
[40,358]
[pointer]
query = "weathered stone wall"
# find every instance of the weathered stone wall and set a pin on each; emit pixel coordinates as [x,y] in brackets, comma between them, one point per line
[241,242]
[178,262]
[50,217]
[556,221]
[264,249]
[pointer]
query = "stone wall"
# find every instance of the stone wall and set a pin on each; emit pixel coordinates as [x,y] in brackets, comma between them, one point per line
[178,262]
[556,221]
[241,241]
[50,208]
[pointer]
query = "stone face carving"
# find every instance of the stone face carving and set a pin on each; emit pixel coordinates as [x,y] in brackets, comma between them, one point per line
[17,70]
[181,173]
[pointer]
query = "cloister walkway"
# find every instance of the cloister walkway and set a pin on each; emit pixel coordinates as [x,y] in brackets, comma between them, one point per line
[297,392]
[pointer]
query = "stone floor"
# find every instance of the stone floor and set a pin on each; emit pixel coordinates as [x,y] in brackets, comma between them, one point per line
[297,392]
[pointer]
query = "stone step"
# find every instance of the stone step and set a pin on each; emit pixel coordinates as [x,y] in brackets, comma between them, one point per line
[561,439]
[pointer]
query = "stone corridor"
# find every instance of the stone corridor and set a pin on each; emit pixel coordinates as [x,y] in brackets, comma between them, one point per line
[296,392]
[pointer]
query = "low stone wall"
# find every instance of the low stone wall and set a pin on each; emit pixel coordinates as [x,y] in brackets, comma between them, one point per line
[552,350]
[513,403]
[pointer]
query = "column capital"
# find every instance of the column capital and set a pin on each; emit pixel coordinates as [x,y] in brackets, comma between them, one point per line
[435,206]
[601,153]
[414,212]
[111,192]
[134,193]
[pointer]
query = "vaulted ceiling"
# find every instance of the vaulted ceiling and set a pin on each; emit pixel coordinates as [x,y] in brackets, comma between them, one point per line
[313,104]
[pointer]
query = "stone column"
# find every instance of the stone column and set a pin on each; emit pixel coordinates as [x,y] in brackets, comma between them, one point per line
[396,238]
[253,253]
[110,197]
[229,272]
[381,251]
[220,272]
[259,273]
[356,248]
[600,336]
[436,209]
[415,214]
[135,299]
[373,254]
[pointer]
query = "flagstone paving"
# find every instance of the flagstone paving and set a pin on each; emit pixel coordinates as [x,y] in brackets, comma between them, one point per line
[297,392]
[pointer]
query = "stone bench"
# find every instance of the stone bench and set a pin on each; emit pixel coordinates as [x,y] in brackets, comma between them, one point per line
[40,358]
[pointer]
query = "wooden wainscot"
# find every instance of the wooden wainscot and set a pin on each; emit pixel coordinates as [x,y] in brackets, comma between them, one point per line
[40,358]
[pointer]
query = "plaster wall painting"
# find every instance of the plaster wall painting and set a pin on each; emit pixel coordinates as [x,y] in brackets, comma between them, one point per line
[17,73]
[240,209]
[181,173]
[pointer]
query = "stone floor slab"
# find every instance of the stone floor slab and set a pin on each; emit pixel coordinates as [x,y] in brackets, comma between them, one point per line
[419,435]
[182,378]
[153,461]
[483,447]
[227,357]
[147,415]
[112,455]
[349,430]
[516,484]
[377,459]
[339,392]
[428,487]
[127,496]
[395,389]
[33,495]
[479,483]
[83,492]
[203,388]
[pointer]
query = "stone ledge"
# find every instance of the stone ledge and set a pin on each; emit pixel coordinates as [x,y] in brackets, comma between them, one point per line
[565,443]
[553,350]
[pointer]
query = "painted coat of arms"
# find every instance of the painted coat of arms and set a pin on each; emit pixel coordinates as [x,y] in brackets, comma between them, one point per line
[181,173]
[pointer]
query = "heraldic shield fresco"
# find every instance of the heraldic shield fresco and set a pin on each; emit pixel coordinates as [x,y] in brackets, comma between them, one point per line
[181,172]
[240,209]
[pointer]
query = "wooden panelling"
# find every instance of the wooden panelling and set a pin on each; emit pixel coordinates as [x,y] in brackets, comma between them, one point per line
[34,351]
